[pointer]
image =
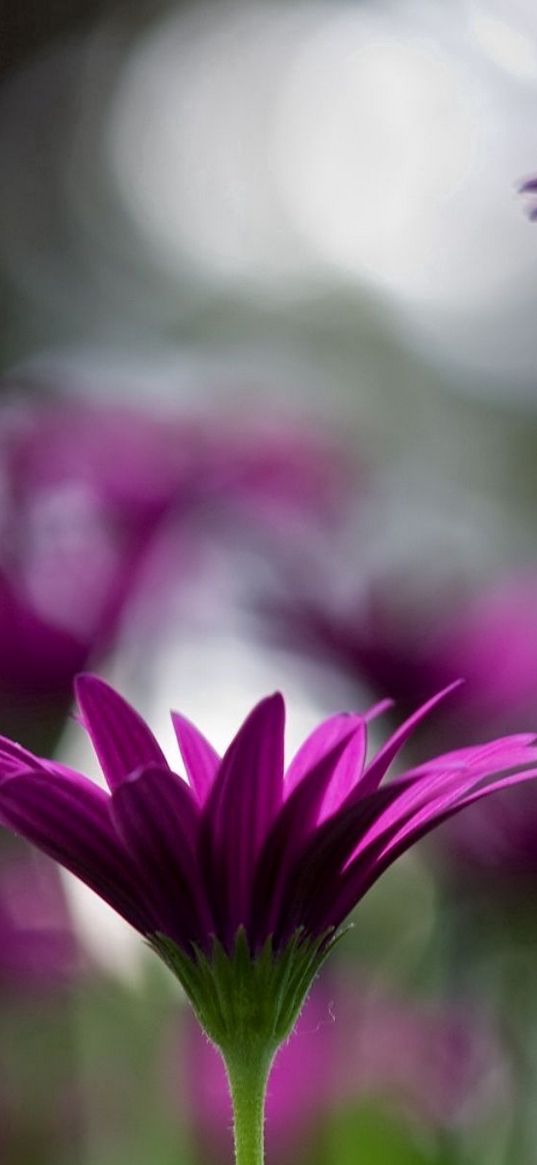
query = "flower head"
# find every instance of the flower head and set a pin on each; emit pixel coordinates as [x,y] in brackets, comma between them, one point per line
[241,876]
[240,844]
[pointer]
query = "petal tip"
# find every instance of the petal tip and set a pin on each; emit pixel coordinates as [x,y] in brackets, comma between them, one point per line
[87,684]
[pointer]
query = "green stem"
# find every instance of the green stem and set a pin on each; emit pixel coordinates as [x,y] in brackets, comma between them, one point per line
[248,1077]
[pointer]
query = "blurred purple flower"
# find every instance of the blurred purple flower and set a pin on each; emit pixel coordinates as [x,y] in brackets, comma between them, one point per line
[368,641]
[492,641]
[438,1062]
[81,490]
[496,638]
[41,964]
[38,948]
[240,845]
[84,491]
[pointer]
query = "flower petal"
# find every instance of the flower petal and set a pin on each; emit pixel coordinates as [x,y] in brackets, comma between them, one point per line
[378,709]
[376,770]
[344,726]
[318,864]
[199,757]
[122,740]
[14,758]
[241,809]
[459,790]
[480,754]
[68,819]
[156,816]
[403,833]
[353,842]
[292,829]
[422,788]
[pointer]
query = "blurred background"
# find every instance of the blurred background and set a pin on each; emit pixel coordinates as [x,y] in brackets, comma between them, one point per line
[268,419]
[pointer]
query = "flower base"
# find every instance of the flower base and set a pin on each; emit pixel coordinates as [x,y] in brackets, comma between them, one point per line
[248,1005]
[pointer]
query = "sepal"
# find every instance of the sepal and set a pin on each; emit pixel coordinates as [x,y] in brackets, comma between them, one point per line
[242,999]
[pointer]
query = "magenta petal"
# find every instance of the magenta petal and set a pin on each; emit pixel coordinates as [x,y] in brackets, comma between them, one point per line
[347,771]
[349,852]
[482,755]
[378,709]
[427,820]
[496,787]
[199,757]
[156,815]
[242,806]
[293,828]
[120,737]
[14,758]
[68,819]
[402,833]
[317,866]
[436,781]
[447,790]
[379,765]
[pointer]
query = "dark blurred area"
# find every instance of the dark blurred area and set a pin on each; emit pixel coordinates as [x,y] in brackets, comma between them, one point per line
[29,27]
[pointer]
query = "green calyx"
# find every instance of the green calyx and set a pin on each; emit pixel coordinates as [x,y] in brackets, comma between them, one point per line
[245,1001]
[248,1005]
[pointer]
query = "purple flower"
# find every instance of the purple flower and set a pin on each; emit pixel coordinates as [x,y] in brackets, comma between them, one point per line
[240,845]
[38,948]
[82,489]
[88,494]
[369,642]
[490,639]
[241,876]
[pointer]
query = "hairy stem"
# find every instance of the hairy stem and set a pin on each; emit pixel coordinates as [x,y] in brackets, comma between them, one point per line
[248,1076]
